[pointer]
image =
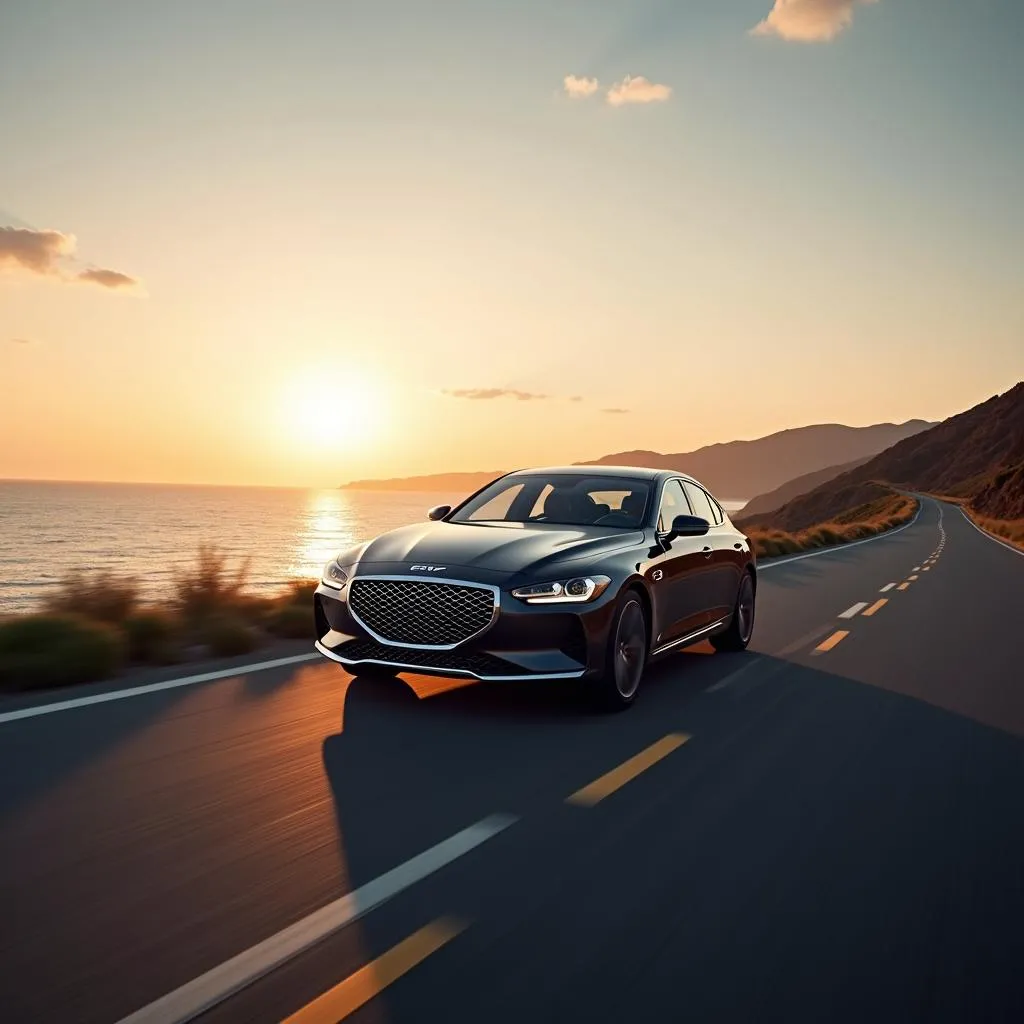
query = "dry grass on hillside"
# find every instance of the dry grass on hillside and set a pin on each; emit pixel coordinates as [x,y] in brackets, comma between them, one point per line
[1008,530]
[866,520]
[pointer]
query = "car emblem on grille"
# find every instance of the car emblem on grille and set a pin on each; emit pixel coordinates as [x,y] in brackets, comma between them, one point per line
[428,568]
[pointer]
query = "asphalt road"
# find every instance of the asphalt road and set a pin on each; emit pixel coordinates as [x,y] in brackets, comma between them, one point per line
[800,834]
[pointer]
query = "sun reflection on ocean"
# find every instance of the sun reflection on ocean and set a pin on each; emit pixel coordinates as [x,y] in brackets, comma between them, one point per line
[327,525]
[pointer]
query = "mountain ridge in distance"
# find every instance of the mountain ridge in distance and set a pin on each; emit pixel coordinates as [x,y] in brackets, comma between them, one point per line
[731,469]
[739,469]
[791,489]
[977,455]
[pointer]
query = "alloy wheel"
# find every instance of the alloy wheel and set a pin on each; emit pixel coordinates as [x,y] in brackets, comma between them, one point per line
[630,644]
[745,608]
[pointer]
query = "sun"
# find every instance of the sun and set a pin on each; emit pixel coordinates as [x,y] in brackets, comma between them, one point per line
[341,412]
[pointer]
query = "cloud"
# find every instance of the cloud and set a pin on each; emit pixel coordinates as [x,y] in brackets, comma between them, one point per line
[46,252]
[808,21]
[487,393]
[35,251]
[637,89]
[579,88]
[107,278]
[20,341]
[576,398]
[615,412]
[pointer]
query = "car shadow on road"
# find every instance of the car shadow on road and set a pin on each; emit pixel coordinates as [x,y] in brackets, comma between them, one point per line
[819,845]
[444,760]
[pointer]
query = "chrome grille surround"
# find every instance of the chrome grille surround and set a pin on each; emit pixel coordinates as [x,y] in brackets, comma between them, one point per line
[427,614]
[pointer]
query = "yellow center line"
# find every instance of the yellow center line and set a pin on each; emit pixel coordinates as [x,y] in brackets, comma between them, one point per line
[903,586]
[874,608]
[628,770]
[359,988]
[829,642]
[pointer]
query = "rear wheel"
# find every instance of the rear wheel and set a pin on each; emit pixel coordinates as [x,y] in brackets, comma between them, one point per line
[737,636]
[626,656]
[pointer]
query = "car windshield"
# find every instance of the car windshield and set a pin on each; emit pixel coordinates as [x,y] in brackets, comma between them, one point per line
[563,499]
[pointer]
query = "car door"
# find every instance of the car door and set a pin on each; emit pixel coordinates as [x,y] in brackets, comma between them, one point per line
[678,573]
[723,574]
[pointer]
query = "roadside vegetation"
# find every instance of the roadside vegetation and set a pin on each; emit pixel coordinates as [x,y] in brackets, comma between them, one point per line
[95,625]
[1012,531]
[866,520]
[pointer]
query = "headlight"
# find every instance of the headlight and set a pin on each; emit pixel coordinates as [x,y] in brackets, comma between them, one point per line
[334,576]
[575,591]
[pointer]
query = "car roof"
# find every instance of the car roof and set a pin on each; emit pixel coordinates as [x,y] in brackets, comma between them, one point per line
[629,472]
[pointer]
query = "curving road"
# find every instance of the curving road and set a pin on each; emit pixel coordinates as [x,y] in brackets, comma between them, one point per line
[829,827]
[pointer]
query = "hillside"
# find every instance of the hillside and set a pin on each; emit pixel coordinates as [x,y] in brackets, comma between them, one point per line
[737,469]
[1002,495]
[822,505]
[977,455]
[733,470]
[794,488]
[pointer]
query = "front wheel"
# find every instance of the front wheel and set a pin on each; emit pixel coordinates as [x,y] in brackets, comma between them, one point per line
[737,636]
[626,656]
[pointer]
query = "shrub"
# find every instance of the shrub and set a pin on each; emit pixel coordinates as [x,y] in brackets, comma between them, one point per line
[57,650]
[298,592]
[209,588]
[102,596]
[226,634]
[154,637]
[864,521]
[292,620]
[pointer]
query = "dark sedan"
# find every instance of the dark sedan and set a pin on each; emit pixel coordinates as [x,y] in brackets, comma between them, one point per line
[582,572]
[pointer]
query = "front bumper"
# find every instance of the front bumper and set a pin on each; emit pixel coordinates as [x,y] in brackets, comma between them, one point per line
[523,642]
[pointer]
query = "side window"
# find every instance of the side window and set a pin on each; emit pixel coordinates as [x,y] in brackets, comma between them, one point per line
[717,509]
[673,503]
[701,504]
[498,507]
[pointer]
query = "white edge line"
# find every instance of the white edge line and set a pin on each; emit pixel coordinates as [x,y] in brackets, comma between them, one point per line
[887,588]
[1002,543]
[216,985]
[853,610]
[137,691]
[842,547]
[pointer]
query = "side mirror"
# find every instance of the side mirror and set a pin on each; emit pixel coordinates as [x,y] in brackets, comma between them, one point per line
[689,526]
[439,512]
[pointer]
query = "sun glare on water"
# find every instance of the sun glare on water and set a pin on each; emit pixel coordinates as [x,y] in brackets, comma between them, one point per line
[342,413]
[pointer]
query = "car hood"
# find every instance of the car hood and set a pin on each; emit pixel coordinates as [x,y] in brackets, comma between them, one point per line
[502,548]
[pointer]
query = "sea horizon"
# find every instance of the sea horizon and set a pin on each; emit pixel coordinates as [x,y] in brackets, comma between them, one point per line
[50,529]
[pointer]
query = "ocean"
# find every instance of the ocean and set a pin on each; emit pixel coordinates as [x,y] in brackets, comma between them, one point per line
[152,531]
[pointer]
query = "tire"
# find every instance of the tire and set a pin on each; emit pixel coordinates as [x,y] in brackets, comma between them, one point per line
[626,656]
[741,626]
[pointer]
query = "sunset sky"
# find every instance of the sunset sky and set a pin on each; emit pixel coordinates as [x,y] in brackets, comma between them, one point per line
[300,241]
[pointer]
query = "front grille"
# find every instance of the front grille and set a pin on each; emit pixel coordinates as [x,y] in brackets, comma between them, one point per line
[478,663]
[421,612]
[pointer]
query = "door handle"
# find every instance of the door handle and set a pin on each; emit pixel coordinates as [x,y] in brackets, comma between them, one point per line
[708,552]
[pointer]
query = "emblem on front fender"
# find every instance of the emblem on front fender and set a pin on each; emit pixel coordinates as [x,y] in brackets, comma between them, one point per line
[657,575]
[428,568]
